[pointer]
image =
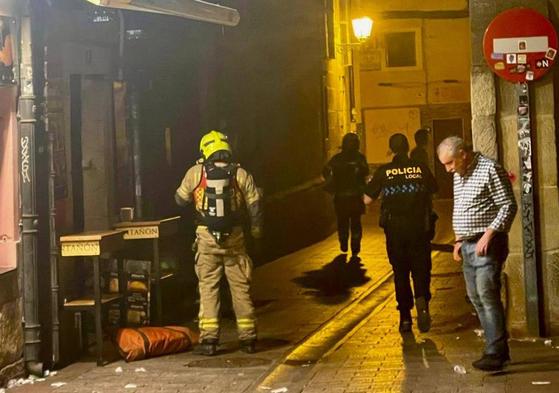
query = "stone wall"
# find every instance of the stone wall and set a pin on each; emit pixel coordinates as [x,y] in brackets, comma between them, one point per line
[494,131]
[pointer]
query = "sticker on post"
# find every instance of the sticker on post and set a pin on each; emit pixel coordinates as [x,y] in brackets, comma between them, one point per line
[550,54]
[534,44]
[511,58]
[499,66]
[521,68]
[542,63]
[530,75]
[522,58]
[498,56]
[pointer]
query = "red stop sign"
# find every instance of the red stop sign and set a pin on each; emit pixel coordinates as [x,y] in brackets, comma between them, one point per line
[520,45]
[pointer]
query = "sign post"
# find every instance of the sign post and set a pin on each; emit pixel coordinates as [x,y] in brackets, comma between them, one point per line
[520,46]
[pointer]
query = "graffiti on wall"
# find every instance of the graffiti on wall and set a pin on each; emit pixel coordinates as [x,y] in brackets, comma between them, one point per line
[25,178]
[526,170]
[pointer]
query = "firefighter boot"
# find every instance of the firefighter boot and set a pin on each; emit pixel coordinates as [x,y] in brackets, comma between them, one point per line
[248,346]
[208,347]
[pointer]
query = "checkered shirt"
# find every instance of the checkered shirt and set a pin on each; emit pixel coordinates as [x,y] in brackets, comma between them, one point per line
[483,199]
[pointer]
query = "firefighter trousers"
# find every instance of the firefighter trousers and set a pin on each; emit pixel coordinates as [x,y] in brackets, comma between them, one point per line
[213,261]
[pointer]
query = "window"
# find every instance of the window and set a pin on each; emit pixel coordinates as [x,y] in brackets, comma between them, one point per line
[400,49]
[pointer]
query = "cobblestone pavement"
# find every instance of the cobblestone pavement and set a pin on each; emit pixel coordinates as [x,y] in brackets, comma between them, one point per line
[294,295]
[297,295]
[376,358]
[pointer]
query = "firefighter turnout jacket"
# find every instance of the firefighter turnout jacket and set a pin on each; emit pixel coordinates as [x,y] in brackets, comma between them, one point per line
[222,193]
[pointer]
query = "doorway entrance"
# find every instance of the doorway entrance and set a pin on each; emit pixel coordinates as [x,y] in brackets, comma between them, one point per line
[442,129]
[92,152]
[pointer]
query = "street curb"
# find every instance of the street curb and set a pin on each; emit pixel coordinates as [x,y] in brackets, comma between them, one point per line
[294,369]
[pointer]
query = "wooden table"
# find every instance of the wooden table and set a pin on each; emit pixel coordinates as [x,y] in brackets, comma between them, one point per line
[97,245]
[153,231]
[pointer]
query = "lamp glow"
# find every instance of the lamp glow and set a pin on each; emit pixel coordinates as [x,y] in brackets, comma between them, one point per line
[362,28]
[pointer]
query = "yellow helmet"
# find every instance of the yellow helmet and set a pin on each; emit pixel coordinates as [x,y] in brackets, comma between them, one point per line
[212,142]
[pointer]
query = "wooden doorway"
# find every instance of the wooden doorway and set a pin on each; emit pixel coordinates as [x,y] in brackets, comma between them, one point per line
[442,129]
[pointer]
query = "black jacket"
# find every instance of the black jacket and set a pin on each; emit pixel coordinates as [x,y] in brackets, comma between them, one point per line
[345,174]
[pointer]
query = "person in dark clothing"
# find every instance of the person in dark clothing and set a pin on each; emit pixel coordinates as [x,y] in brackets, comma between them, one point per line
[345,176]
[419,153]
[406,187]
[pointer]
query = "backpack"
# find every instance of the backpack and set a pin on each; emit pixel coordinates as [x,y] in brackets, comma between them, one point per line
[346,177]
[219,197]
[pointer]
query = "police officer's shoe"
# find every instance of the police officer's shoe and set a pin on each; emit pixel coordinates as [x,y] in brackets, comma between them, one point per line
[491,362]
[423,316]
[248,346]
[405,321]
[207,347]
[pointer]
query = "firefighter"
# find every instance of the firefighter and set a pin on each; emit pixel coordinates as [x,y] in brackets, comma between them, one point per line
[223,193]
[406,216]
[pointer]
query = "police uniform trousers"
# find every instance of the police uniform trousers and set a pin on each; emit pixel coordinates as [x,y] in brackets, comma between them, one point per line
[409,252]
[213,260]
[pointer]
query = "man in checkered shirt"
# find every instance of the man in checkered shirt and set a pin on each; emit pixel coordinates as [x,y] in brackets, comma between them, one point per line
[484,208]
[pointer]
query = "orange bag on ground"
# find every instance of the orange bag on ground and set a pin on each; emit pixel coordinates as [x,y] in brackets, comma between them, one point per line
[143,342]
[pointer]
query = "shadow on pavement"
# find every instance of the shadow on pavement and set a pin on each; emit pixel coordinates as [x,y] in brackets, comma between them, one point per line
[268,343]
[539,364]
[459,323]
[422,361]
[332,283]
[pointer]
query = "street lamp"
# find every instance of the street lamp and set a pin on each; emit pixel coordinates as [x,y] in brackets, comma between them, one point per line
[362,28]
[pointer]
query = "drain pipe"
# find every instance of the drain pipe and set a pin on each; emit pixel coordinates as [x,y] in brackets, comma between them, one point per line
[134,130]
[53,245]
[29,112]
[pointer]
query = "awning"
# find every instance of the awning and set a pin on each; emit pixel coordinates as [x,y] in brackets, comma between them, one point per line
[8,7]
[190,9]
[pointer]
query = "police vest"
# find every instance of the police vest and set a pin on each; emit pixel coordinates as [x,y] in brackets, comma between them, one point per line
[405,196]
[217,197]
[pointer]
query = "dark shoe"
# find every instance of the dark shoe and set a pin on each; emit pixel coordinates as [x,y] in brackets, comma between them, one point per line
[354,259]
[423,317]
[248,346]
[343,247]
[491,362]
[208,347]
[405,322]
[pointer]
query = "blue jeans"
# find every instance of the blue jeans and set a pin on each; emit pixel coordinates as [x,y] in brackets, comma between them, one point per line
[483,283]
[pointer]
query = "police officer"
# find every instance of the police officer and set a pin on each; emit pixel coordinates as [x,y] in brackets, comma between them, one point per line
[419,153]
[406,187]
[345,178]
[222,193]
